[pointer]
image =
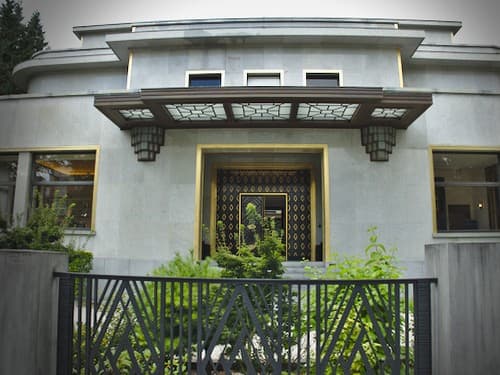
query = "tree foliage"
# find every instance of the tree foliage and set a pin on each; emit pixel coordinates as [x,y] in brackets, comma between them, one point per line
[18,41]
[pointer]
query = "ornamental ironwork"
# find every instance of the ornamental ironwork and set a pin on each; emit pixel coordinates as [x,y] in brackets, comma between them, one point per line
[388,113]
[136,114]
[150,325]
[197,112]
[264,107]
[326,111]
[261,111]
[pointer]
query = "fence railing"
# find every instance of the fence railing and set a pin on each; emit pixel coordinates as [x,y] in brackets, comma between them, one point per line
[149,325]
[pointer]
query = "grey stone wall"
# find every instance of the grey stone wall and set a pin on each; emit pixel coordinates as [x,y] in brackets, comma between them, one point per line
[466,307]
[28,311]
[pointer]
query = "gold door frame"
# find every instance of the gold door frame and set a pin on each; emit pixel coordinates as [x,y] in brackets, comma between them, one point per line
[320,150]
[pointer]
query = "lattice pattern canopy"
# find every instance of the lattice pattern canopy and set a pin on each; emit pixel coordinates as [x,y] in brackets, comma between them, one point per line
[389,113]
[197,112]
[136,114]
[326,111]
[269,107]
[261,111]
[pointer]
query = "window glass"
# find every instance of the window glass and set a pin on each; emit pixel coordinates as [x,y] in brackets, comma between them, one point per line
[467,191]
[67,174]
[205,80]
[322,79]
[8,173]
[263,79]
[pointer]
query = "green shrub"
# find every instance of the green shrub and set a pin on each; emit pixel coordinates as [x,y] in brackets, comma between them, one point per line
[187,266]
[45,230]
[379,263]
[181,310]
[80,261]
[262,259]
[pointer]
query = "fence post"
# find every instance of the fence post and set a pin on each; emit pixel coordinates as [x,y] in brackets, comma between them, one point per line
[28,310]
[423,341]
[65,325]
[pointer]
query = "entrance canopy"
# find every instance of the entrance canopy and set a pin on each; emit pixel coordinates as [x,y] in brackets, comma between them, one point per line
[250,107]
[154,110]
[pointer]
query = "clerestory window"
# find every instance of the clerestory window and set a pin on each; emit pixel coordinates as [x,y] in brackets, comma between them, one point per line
[322,79]
[204,79]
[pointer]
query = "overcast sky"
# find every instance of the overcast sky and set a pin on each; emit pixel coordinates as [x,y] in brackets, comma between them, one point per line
[480,18]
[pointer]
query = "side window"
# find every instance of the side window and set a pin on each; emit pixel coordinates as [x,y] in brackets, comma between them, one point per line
[8,173]
[68,174]
[467,191]
[204,79]
[322,79]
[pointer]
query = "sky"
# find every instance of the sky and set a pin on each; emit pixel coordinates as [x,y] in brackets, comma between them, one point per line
[480,18]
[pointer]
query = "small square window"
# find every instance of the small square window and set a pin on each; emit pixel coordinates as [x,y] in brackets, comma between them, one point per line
[205,80]
[467,191]
[322,79]
[264,79]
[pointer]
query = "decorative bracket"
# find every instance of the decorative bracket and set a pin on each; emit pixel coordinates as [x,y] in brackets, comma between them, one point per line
[147,141]
[378,141]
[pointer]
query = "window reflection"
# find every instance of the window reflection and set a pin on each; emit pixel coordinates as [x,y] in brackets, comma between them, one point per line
[70,175]
[467,191]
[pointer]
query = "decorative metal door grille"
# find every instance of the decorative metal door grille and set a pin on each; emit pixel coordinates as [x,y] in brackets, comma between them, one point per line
[295,183]
[148,325]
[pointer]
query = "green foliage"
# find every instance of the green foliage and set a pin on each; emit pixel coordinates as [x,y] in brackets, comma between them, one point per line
[261,259]
[80,260]
[18,42]
[183,297]
[379,263]
[182,309]
[45,231]
[187,266]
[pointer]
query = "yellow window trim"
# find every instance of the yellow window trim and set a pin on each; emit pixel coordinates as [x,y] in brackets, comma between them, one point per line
[95,148]
[434,148]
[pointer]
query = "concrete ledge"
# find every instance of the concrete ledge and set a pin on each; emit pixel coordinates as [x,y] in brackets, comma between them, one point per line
[28,311]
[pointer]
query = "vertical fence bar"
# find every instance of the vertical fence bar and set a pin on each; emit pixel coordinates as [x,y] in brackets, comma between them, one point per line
[162,317]
[407,329]
[65,325]
[423,342]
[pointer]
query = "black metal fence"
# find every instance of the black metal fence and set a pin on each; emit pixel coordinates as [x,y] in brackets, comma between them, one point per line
[149,325]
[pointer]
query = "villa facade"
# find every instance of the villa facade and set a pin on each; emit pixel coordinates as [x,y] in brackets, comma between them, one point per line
[156,131]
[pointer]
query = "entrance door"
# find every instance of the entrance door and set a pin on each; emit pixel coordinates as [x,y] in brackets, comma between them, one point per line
[282,194]
[270,206]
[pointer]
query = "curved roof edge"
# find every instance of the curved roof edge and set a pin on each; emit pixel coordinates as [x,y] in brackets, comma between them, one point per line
[452,26]
[57,60]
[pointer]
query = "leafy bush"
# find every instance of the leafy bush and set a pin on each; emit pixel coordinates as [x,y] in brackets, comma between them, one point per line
[379,263]
[45,231]
[187,266]
[181,310]
[261,259]
[259,255]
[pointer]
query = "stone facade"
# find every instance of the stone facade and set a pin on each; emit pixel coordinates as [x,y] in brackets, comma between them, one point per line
[144,212]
